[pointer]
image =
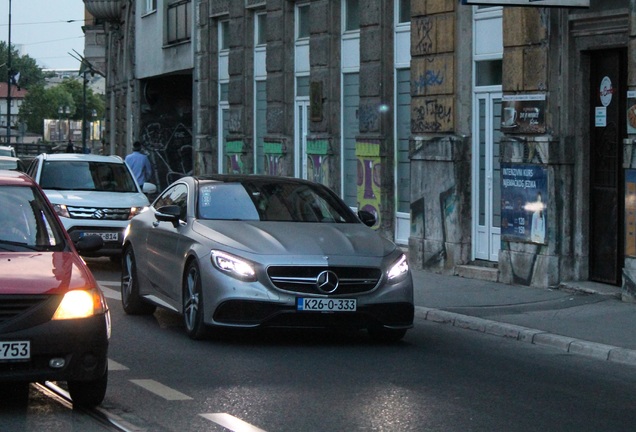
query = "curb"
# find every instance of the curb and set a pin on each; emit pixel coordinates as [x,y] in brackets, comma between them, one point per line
[524,334]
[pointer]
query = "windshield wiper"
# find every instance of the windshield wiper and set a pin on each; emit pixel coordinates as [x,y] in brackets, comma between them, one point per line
[14,243]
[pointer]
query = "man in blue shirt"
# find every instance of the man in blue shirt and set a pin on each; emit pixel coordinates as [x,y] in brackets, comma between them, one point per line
[139,164]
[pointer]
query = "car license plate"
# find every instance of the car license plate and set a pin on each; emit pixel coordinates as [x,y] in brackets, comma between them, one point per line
[326,305]
[15,350]
[111,236]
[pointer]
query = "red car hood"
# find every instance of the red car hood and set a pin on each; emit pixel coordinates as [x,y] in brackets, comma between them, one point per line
[43,273]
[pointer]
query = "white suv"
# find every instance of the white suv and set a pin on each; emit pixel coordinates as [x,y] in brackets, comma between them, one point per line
[92,194]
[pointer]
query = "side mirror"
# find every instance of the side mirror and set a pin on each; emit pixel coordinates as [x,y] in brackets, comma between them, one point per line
[149,188]
[170,213]
[87,243]
[367,218]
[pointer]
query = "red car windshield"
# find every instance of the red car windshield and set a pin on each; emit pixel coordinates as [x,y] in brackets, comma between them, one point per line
[26,221]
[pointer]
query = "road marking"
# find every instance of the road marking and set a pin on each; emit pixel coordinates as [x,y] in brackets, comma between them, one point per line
[110,293]
[114,366]
[111,283]
[160,389]
[230,422]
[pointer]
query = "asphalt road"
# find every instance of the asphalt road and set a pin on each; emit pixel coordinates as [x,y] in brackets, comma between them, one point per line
[440,378]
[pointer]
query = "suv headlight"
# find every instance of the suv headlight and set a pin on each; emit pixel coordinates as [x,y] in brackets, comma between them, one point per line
[134,211]
[61,210]
[398,269]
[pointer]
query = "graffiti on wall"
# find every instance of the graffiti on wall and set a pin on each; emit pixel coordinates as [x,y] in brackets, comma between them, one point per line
[169,149]
[274,154]
[234,157]
[369,177]
[317,155]
[432,115]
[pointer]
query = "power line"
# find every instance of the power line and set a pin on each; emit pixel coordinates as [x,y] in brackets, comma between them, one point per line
[44,22]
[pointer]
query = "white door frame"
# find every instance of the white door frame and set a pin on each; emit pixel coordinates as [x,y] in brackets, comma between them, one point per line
[486,235]
[301,111]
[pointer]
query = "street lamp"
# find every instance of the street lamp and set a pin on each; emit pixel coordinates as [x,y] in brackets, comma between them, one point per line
[94,119]
[9,81]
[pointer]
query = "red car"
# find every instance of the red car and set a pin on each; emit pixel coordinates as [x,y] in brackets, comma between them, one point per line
[54,320]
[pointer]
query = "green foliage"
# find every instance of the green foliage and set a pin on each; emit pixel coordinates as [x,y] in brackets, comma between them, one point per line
[42,103]
[30,73]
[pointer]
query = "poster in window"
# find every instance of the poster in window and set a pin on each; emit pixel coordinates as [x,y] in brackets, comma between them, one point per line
[524,201]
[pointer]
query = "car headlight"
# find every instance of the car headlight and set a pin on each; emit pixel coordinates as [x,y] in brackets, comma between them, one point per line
[233,266]
[398,269]
[80,304]
[61,210]
[134,211]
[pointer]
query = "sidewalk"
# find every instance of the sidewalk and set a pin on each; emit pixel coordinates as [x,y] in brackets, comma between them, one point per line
[585,319]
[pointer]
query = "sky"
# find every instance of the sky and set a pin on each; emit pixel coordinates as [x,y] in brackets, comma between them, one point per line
[40,29]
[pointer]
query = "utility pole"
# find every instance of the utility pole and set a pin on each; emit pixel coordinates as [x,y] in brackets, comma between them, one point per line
[9,81]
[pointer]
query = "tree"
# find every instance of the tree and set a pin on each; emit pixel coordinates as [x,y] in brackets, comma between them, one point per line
[41,103]
[30,73]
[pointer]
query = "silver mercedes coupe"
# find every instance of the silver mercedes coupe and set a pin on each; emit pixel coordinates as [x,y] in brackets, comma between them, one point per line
[252,251]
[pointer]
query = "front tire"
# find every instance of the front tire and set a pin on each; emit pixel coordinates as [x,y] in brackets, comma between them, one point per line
[88,393]
[131,301]
[193,303]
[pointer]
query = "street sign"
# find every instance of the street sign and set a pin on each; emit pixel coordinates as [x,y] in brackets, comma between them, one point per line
[537,3]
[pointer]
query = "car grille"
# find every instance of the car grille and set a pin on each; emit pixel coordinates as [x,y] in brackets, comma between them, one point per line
[304,280]
[99,213]
[12,306]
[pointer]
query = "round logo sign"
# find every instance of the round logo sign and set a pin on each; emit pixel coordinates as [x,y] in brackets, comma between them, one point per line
[606,91]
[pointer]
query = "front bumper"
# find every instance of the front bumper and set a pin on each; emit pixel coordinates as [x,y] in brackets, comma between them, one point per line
[81,343]
[263,314]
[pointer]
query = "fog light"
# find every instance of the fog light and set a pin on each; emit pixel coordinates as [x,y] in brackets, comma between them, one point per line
[57,363]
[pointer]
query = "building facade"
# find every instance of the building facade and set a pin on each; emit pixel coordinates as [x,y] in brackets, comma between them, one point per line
[491,141]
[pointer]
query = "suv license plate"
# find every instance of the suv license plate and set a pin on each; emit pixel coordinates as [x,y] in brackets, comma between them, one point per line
[326,305]
[15,350]
[112,236]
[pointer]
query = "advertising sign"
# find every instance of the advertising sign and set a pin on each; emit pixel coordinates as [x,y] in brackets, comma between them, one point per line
[524,202]
[630,213]
[631,112]
[523,114]
[537,3]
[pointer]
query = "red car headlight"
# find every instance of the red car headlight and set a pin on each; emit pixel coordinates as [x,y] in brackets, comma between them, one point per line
[80,304]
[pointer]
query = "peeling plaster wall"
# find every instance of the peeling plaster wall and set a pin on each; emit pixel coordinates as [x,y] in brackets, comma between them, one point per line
[440,197]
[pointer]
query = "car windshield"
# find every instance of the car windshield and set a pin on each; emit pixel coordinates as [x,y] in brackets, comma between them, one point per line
[26,221]
[10,164]
[271,201]
[7,151]
[88,176]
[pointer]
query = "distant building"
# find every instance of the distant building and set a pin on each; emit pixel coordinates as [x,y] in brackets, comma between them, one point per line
[17,96]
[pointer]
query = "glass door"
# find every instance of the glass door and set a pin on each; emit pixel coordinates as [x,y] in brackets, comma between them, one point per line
[487,177]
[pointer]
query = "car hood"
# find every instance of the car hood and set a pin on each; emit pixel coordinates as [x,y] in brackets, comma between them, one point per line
[42,273]
[97,199]
[333,239]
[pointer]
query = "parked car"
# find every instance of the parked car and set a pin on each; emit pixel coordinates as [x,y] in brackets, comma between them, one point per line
[92,194]
[12,163]
[54,319]
[8,151]
[261,251]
